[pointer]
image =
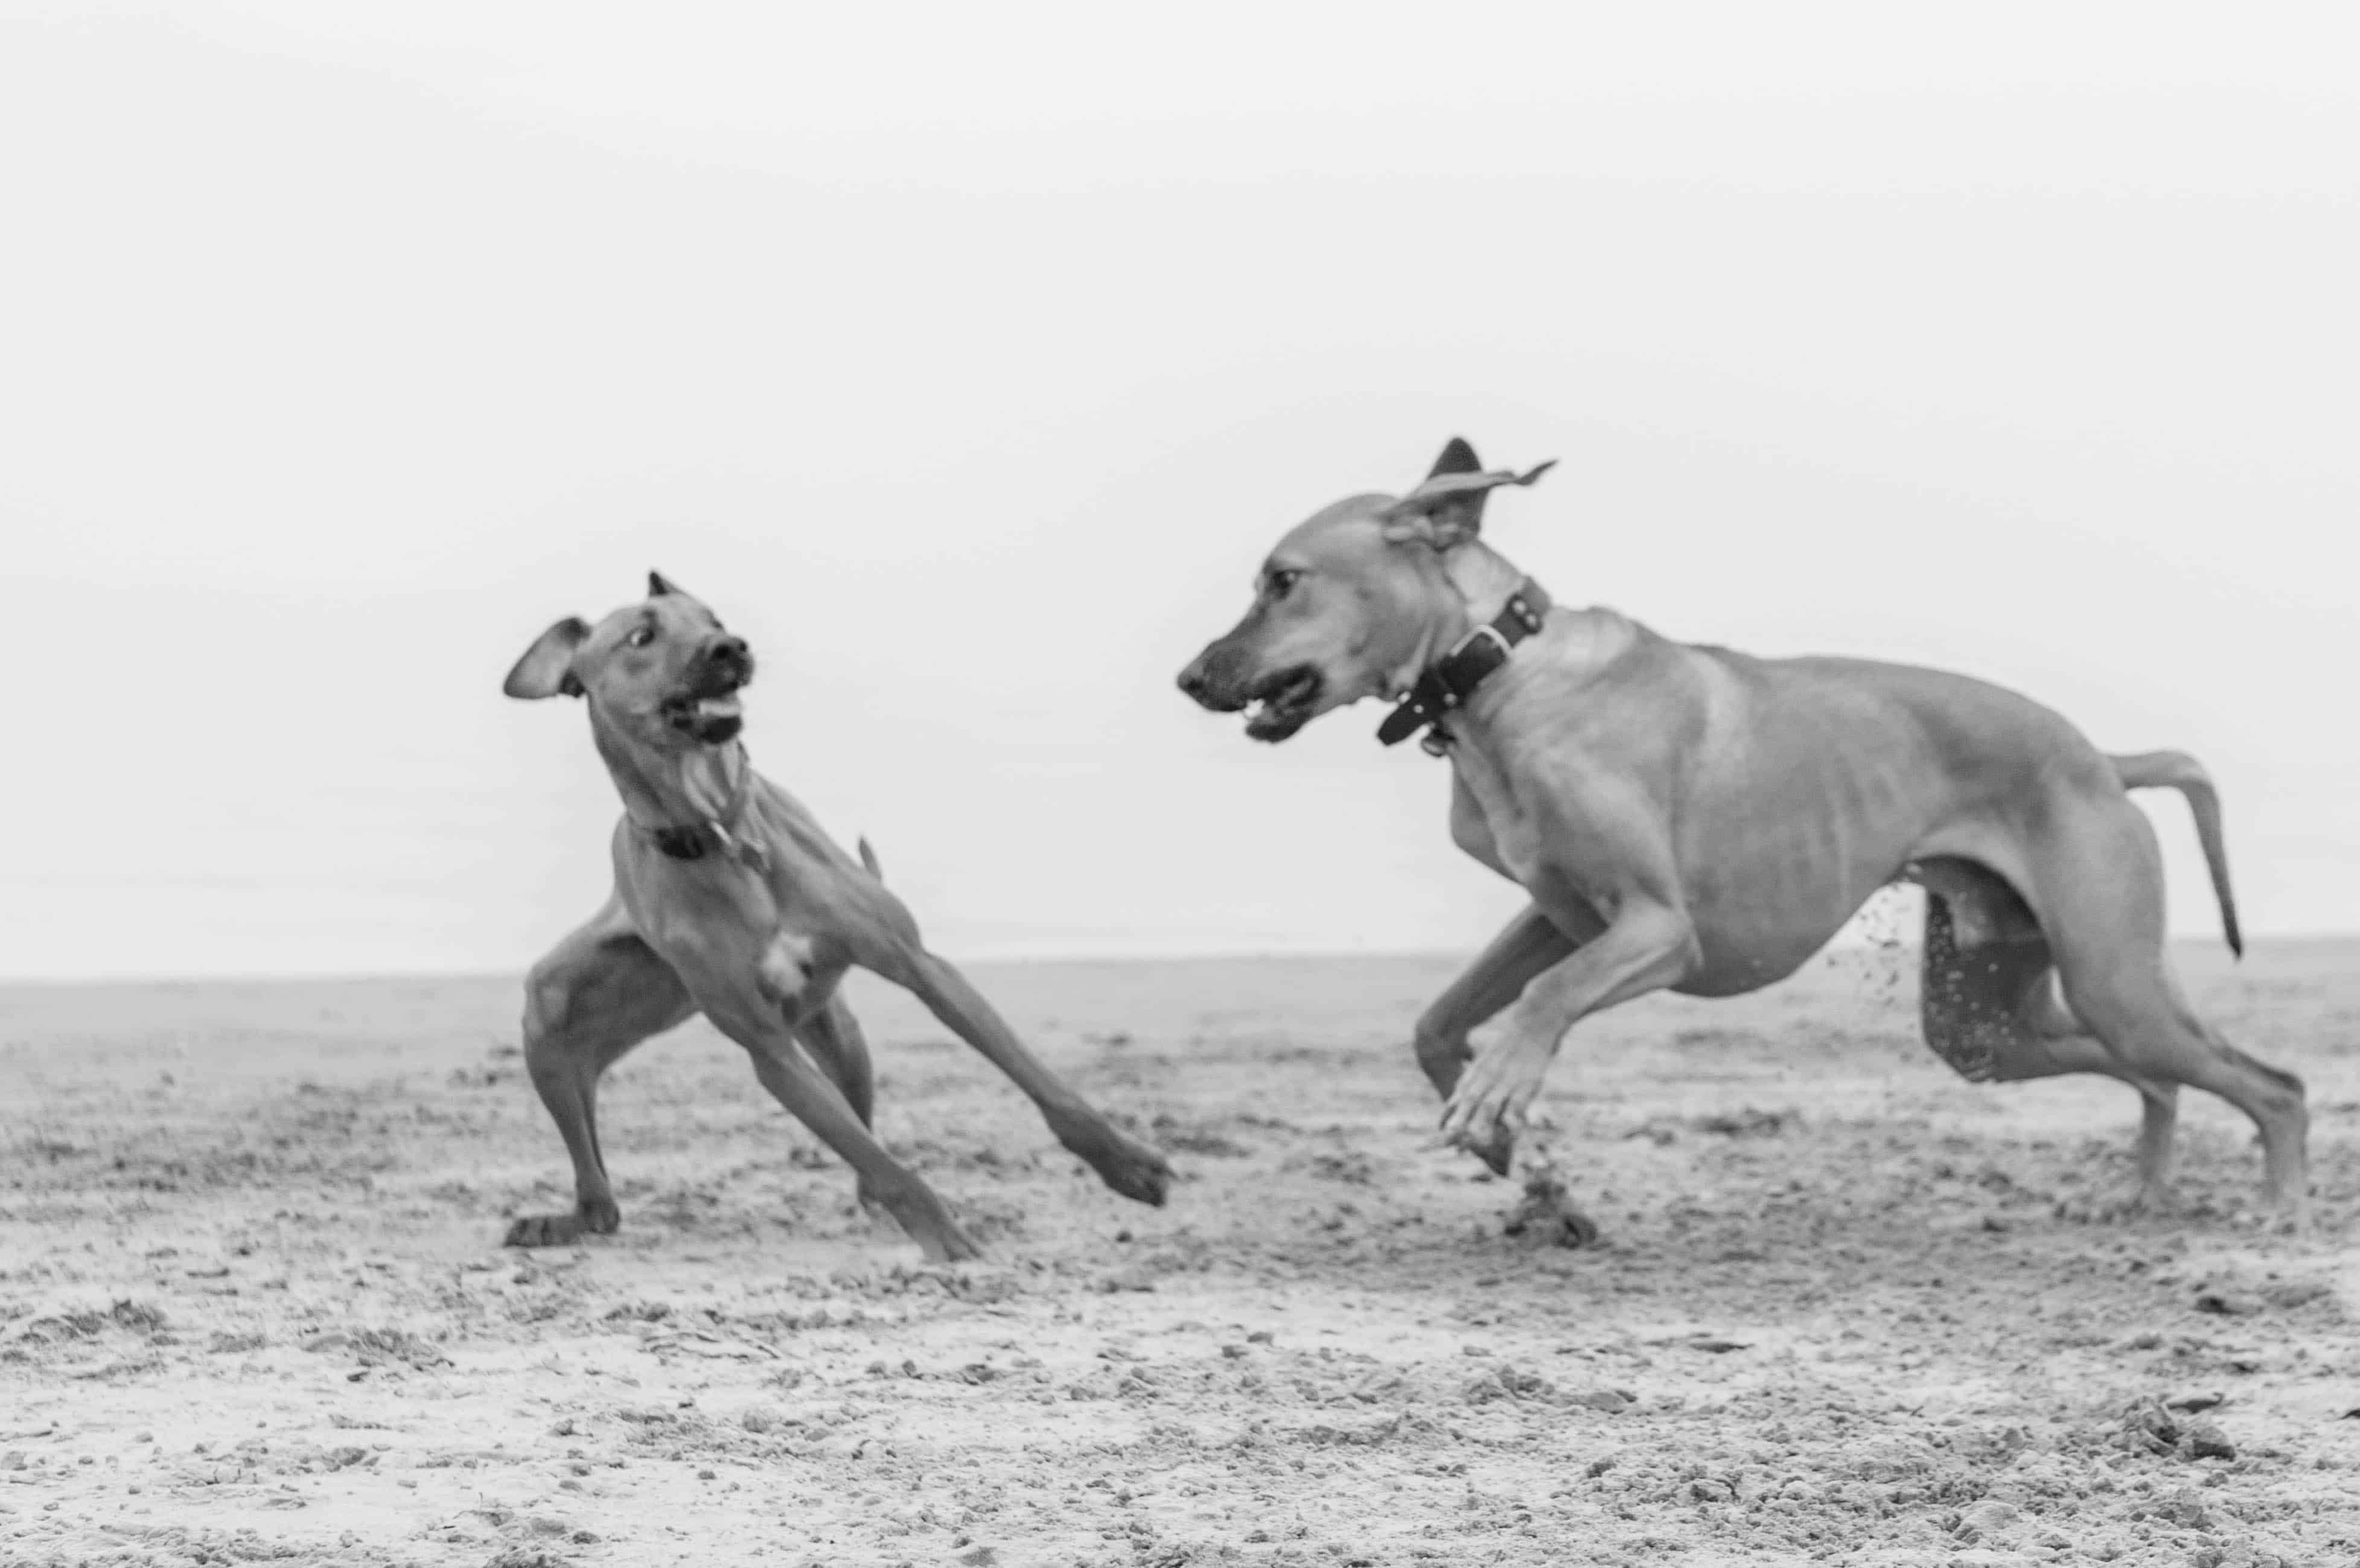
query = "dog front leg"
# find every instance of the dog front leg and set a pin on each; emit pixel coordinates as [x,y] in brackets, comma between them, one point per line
[1130,1168]
[1647,946]
[1530,944]
[813,1099]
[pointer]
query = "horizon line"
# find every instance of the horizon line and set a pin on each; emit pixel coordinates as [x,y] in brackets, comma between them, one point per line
[1212,956]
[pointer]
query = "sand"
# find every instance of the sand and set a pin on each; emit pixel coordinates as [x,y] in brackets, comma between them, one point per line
[1848,1308]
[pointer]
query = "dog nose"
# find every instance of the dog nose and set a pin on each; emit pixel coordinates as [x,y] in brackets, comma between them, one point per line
[732,648]
[1193,681]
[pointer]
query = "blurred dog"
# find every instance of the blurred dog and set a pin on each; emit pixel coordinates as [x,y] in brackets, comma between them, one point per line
[1692,819]
[730,900]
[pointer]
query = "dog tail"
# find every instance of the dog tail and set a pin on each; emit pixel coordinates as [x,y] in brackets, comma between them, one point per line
[2178,771]
[868,859]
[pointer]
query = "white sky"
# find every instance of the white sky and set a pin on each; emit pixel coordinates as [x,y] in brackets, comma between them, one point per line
[968,357]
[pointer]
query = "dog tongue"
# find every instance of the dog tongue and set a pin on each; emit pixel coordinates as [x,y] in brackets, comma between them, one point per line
[718,707]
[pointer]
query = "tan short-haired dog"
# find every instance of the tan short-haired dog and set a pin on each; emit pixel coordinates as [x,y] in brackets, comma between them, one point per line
[1693,819]
[730,900]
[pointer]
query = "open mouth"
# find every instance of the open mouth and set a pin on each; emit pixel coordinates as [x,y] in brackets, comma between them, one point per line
[709,712]
[1282,704]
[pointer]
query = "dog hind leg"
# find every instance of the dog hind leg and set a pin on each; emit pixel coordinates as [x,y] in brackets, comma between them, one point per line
[833,1037]
[600,993]
[1988,1006]
[2098,882]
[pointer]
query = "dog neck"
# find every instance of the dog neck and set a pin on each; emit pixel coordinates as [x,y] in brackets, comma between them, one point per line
[685,801]
[1471,587]
[1441,679]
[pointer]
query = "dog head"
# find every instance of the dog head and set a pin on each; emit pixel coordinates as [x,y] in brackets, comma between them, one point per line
[1342,608]
[662,673]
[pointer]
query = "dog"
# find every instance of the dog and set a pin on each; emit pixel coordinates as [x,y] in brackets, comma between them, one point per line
[1689,818]
[730,900]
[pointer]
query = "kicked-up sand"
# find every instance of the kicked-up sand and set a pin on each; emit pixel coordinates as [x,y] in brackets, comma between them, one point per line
[1848,1308]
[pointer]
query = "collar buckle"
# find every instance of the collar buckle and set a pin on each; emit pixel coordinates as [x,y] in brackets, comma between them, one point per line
[1500,643]
[1445,685]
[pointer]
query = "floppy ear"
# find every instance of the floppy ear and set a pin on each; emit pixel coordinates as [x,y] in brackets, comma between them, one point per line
[1447,508]
[657,587]
[547,667]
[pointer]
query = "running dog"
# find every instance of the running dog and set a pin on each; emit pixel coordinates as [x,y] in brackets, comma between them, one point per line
[1689,818]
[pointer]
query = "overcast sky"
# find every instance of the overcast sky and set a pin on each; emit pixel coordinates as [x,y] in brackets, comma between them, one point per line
[967,358]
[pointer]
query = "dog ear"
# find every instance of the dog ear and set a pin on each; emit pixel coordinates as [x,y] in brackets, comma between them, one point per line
[1447,508]
[657,587]
[1457,457]
[547,667]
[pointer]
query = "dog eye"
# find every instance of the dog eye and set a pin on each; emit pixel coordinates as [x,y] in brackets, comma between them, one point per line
[641,637]
[1282,583]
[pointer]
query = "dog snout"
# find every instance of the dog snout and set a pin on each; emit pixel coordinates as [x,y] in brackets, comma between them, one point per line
[1210,681]
[725,664]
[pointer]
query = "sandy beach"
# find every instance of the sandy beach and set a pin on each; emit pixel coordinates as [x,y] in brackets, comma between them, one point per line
[1848,1308]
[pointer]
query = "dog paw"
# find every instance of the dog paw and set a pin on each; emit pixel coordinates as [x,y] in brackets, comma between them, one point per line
[560,1230]
[924,1219]
[545,1230]
[1546,1213]
[1493,1143]
[1489,1138]
[1138,1173]
[946,1243]
[1484,1118]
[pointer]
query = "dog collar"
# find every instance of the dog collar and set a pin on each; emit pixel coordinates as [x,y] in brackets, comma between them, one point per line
[1448,682]
[694,841]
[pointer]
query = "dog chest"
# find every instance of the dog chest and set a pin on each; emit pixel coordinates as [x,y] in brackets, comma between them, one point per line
[784,969]
[1515,837]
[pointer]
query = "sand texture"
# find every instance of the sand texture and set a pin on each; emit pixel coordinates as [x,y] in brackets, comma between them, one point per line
[1848,1307]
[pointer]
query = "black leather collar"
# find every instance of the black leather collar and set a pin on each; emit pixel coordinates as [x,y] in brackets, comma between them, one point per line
[694,841]
[1449,680]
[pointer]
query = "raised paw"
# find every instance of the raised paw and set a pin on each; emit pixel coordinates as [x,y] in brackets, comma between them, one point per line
[1487,1112]
[1496,1149]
